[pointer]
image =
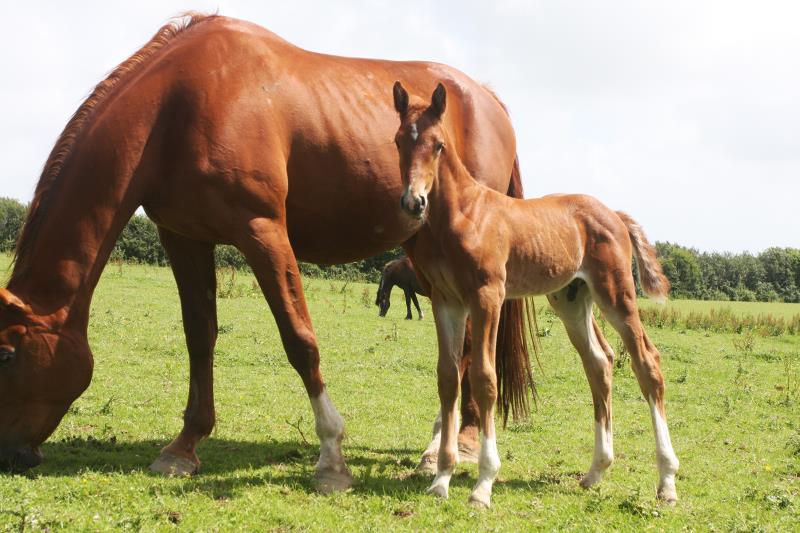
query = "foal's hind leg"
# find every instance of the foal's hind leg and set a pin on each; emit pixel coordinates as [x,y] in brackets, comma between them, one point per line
[267,249]
[408,294]
[573,304]
[617,299]
[193,266]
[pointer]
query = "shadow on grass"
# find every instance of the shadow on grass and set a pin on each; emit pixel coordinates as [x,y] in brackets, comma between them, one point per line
[230,466]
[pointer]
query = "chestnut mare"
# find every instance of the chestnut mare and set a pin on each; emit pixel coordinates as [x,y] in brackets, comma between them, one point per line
[480,247]
[400,273]
[224,133]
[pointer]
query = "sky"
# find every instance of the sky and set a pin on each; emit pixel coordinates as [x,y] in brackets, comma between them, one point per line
[685,114]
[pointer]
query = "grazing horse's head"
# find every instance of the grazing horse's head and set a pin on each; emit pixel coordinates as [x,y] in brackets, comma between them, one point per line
[37,386]
[420,141]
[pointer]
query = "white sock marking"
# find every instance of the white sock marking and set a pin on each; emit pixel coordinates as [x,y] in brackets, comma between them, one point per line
[330,430]
[667,460]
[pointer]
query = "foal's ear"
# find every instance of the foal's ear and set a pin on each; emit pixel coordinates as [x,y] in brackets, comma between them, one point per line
[439,101]
[400,98]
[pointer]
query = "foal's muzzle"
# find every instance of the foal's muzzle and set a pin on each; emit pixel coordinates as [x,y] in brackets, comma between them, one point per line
[414,204]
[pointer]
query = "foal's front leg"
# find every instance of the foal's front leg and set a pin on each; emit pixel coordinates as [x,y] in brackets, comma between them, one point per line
[485,312]
[450,321]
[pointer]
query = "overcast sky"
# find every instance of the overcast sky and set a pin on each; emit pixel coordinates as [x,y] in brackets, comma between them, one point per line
[684,114]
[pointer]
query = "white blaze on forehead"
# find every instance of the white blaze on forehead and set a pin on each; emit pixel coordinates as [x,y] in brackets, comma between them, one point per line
[414,132]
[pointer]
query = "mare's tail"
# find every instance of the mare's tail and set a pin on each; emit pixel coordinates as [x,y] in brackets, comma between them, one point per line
[654,282]
[517,333]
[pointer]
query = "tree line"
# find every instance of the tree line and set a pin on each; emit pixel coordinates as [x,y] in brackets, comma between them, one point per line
[772,275]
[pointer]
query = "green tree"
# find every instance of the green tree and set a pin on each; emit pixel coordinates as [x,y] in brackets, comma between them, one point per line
[12,216]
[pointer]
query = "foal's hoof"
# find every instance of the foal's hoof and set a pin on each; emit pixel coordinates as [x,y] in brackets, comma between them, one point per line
[328,480]
[174,465]
[468,452]
[427,465]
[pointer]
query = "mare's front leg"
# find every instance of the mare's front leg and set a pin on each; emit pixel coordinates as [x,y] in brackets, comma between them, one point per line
[193,267]
[450,318]
[485,313]
[267,249]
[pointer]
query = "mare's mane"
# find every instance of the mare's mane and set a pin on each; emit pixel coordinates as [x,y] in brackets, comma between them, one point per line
[66,141]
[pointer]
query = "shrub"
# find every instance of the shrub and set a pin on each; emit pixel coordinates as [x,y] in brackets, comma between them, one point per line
[12,216]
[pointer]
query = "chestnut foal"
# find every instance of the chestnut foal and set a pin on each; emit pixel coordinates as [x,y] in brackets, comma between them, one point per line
[478,248]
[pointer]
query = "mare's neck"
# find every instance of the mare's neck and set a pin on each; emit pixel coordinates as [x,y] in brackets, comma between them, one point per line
[72,234]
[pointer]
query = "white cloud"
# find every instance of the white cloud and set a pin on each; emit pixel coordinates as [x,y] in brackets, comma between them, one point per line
[685,114]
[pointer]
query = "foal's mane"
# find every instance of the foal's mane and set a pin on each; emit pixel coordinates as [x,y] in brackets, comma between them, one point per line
[66,141]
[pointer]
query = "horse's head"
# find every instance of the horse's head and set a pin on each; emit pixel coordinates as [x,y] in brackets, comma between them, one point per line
[420,141]
[42,371]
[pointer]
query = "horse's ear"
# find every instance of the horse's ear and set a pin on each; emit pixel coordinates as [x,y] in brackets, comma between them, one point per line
[439,101]
[9,299]
[400,98]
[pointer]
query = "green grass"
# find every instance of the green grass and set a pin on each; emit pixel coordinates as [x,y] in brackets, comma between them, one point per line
[733,412]
[777,309]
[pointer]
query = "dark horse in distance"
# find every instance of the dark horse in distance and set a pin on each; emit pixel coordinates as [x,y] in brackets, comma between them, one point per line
[400,273]
[225,134]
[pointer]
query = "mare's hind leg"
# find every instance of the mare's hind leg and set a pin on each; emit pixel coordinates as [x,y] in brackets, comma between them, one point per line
[268,251]
[617,299]
[573,305]
[193,266]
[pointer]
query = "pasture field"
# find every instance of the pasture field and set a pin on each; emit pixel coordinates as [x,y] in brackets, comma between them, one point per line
[733,409]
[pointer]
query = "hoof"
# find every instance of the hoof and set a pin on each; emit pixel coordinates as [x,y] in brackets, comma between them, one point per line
[479,501]
[668,495]
[328,481]
[439,490]
[427,465]
[174,465]
[590,479]
[468,452]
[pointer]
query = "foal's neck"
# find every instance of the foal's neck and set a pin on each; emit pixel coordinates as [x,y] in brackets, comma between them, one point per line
[454,193]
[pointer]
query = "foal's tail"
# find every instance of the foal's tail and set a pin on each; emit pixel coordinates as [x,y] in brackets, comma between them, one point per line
[654,282]
[516,336]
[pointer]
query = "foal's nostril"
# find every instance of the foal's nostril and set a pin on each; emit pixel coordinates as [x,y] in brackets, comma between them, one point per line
[422,201]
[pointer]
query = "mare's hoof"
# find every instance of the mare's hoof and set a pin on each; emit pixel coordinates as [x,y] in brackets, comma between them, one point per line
[668,495]
[174,465]
[479,501]
[589,479]
[427,465]
[329,480]
[468,452]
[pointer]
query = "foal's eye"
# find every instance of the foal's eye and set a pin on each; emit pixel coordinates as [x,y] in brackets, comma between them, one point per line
[439,147]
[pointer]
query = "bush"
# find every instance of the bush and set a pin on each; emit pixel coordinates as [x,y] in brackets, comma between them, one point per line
[12,216]
[229,256]
[139,243]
